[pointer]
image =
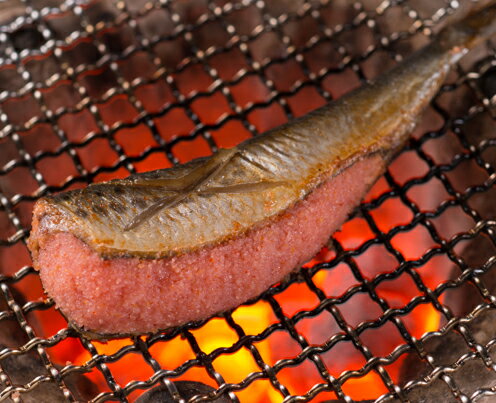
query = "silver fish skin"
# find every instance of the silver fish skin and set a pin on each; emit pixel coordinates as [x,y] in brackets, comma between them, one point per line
[208,201]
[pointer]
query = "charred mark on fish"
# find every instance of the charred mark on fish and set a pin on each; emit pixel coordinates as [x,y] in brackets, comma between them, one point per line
[196,182]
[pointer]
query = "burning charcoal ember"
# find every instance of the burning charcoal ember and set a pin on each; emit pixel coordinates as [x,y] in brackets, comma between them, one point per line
[186,389]
[67,119]
[141,227]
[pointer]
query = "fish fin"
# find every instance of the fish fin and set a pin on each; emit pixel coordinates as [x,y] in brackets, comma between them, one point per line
[192,183]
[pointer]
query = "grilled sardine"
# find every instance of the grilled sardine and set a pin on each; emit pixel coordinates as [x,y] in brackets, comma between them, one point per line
[216,222]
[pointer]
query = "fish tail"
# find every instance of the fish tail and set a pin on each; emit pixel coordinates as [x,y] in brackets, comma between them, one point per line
[463,35]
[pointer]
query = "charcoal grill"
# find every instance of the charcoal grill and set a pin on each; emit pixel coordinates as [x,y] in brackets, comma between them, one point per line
[400,303]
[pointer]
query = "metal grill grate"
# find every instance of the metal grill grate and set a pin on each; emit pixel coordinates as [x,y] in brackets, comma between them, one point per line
[91,90]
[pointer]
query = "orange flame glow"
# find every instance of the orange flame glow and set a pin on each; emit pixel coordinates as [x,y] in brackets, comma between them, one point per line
[216,334]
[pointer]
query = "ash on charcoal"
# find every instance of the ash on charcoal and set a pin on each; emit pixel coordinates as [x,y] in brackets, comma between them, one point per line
[186,389]
[344,401]
[480,249]
[24,368]
[469,376]
[472,374]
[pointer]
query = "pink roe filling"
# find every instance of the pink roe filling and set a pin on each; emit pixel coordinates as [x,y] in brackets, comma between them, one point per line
[132,295]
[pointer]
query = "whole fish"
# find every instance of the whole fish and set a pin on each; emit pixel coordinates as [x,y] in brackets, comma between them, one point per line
[161,248]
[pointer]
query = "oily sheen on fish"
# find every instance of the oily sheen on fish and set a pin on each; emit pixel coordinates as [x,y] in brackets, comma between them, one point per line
[162,248]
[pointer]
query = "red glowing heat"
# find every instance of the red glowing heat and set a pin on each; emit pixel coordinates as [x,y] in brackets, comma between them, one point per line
[254,319]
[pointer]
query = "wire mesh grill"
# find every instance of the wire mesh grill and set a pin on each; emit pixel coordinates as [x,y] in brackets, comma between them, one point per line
[93,90]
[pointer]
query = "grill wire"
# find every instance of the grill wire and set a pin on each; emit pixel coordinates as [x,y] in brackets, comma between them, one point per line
[37,60]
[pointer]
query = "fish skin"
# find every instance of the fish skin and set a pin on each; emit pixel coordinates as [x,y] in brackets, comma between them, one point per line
[208,201]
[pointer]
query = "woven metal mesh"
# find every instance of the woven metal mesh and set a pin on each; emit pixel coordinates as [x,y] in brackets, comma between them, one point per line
[96,90]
